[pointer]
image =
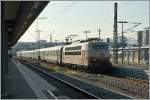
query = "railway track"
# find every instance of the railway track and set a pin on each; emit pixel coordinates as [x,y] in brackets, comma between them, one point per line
[85,94]
[133,87]
[89,91]
[125,84]
[126,72]
[122,72]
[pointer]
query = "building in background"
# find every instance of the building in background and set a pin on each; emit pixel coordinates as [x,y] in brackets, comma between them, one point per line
[143,42]
[143,38]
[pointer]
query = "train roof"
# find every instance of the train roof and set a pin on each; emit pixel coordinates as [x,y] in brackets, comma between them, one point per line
[43,49]
[84,43]
[59,47]
[51,48]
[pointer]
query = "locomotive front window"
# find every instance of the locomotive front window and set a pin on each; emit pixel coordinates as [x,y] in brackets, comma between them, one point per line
[73,48]
[100,47]
[73,53]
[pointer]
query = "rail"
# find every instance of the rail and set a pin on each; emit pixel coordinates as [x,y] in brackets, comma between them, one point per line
[89,95]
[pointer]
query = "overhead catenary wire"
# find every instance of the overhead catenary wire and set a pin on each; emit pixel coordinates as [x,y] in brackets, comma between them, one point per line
[32,35]
[61,13]
[48,34]
[57,16]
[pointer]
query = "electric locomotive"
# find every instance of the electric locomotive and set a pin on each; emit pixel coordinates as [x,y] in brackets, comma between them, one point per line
[92,56]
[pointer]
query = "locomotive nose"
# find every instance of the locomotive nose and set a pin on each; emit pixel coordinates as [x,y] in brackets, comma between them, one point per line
[98,60]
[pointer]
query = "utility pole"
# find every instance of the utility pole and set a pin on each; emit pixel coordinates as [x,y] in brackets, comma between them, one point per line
[38,37]
[115,36]
[99,30]
[122,42]
[139,45]
[129,48]
[50,38]
[122,22]
[86,34]
[72,36]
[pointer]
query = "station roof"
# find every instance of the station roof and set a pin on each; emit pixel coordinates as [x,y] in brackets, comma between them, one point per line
[19,15]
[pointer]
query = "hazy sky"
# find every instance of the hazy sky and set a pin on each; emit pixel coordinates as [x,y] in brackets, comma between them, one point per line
[74,17]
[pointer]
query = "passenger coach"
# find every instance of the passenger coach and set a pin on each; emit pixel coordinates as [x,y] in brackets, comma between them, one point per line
[52,54]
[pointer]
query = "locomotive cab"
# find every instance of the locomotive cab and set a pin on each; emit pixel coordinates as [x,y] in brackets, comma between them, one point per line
[98,56]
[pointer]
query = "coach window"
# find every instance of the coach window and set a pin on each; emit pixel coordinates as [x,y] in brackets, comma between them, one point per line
[72,53]
[73,48]
[51,53]
[44,53]
[54,53]
[57,52]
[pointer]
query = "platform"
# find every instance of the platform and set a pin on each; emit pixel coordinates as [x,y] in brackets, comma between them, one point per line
[23,83]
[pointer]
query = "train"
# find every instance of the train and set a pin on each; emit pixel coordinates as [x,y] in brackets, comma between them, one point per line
[93,56]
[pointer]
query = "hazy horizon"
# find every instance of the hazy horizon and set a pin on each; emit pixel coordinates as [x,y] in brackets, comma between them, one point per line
[73,17]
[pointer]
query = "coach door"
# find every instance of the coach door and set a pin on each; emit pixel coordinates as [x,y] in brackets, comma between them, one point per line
[57,55]
[61,52]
